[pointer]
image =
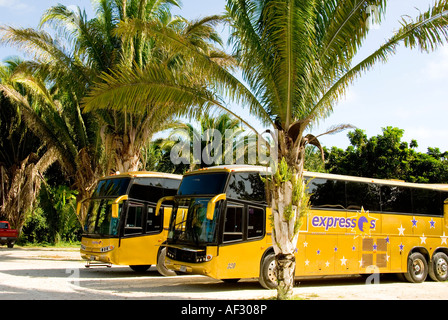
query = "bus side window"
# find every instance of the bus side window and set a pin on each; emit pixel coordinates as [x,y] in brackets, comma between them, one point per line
[134,220]
[255,226]
[233,226]
[153,222]
[327,193]
[246,186]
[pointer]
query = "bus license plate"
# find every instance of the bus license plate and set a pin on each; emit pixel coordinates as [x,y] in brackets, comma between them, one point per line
[183,269]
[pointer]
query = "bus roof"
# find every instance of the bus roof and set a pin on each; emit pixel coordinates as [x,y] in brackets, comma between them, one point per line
[309,174]
[141,174]
[231,168]
[390,182]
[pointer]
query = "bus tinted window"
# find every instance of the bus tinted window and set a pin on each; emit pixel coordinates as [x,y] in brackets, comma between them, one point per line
[153,189]
[396,199]
[112,187]
[134,219]
[426,201]
[362,195]
[327,193]
[246,186]
[212,183]
[255,225]
[233,225]
[153,222]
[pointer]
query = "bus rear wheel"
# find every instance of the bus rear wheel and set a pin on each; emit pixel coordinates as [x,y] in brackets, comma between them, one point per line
[417,268]
[438,269]
[268,272]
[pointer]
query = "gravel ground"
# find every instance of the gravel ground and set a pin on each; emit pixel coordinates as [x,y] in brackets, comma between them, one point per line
[48,274]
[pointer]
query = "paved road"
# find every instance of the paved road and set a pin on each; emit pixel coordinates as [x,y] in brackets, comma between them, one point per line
[48,274]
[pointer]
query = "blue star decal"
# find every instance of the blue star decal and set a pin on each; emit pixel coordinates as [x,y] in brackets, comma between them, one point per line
[401,246]
[318,251]
[414,222]
[375,247]
[432,223]
[387,239]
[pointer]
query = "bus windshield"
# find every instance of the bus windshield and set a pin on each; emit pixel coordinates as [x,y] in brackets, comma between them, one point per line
[200,184]
[99,218]
[189,223]
[114,187]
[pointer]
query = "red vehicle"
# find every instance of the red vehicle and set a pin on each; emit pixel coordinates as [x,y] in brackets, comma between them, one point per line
[7,235]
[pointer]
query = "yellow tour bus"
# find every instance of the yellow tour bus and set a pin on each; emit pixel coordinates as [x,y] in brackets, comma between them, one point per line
[121,226]
[220,227]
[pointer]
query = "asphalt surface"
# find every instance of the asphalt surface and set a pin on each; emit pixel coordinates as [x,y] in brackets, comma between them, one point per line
[50,274]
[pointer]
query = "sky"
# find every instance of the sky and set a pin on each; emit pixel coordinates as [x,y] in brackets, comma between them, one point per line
[409,92]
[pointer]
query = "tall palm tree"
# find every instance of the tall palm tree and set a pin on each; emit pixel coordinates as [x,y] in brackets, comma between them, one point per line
[297,58]
[197,148]
[61,73]
[22,159]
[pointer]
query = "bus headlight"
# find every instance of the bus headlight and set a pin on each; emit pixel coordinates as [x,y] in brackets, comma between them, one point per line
[107,249]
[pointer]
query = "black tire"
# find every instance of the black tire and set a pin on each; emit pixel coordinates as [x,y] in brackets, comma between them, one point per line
[235,280]
[268,272]
[140,268]
[417,268]
[438,268]
[10,245]
[161,267]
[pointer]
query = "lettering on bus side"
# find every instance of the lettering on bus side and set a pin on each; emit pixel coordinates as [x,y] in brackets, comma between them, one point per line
[362,222]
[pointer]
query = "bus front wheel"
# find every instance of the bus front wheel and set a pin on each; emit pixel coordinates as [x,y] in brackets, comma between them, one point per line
[417,268]
[161,267]
[268,272]
[438,270]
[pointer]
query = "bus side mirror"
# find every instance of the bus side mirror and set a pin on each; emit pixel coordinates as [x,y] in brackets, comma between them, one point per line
[115,210]
[212,204]
[115,205]
[159,203]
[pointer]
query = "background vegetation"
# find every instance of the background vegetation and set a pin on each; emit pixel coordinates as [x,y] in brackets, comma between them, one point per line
[54,144]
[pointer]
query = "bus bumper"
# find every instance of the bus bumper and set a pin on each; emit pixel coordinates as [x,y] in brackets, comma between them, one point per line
[98,250]
[196,268]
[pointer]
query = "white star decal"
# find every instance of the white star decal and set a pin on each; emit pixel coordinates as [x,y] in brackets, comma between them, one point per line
[343,261]
[423,239]
[444,238]
[401,231]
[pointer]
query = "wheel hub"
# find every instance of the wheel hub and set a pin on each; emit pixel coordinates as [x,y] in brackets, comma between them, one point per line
[441,267]
[272,272]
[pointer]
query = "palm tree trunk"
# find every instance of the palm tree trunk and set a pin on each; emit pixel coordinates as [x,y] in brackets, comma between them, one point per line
[289,203]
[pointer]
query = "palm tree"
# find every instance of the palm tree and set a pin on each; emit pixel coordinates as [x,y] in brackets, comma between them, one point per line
[297,58]
[22,160]
[197,148]
[93,144]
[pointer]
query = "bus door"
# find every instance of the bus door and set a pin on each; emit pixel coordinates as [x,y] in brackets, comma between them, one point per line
[139,225]
[242,239]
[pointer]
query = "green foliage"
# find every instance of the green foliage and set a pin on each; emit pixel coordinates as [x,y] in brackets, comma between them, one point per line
[59,209]
[283,173]
[35,229]
[386,156]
